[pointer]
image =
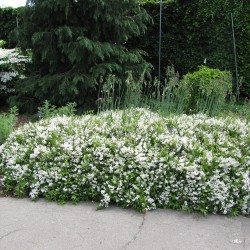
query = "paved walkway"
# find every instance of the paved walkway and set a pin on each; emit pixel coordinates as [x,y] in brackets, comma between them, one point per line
[27,225]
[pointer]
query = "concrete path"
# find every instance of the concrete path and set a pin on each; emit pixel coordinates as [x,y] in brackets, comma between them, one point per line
[27,225]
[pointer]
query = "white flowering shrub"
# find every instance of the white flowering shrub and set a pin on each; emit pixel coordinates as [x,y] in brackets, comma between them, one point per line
[12,67]
[133,158]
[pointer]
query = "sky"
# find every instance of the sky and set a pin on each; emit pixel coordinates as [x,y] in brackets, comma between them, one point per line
[12,3]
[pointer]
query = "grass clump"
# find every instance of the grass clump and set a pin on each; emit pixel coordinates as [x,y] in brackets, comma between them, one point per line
[203,91]
[232,109]
[134,158]
[7,123]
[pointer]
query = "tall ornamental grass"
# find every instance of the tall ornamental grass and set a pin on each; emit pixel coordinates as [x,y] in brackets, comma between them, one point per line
[203,91]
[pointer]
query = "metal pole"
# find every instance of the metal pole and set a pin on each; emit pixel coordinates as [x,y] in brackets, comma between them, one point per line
[17,25]
[235,61]
[160,35]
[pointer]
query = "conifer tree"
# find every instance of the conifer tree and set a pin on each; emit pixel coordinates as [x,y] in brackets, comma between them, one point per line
[74,42]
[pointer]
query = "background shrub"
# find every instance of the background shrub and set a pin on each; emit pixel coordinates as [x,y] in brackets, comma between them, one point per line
[13,66]
[48,110]
[209,89]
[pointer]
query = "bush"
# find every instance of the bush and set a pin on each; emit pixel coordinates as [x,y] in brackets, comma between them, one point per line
[48,110]
[209,89]
[133,158]
[7,123]
[2,43]
[12,67]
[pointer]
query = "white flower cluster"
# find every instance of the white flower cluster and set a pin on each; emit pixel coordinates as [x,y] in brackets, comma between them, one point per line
[133,158]
[12,56]
[12,66]
[8,76]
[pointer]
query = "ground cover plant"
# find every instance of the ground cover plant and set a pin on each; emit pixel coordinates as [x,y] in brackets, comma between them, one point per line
[133,158]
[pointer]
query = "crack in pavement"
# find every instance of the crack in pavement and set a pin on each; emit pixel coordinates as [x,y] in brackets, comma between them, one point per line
[9,233]
[137,233]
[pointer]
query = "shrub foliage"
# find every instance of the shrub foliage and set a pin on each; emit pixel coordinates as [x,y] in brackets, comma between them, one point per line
[13,66]
[208,89]
[7,123]
[133,158]
[195,30]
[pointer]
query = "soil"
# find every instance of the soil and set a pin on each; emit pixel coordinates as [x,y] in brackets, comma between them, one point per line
[21,120]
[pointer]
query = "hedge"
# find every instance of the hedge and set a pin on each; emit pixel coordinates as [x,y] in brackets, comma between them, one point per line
[195,30]
[132,158]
